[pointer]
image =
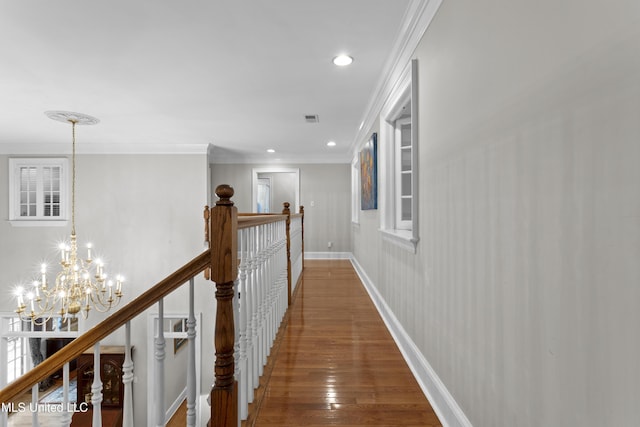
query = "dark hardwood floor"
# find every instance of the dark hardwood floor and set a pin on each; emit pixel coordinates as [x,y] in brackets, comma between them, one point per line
[335,363]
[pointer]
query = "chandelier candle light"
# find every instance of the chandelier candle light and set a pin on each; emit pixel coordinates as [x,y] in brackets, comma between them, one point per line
[81,284]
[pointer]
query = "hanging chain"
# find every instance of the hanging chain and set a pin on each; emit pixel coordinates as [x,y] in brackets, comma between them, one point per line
[73,178]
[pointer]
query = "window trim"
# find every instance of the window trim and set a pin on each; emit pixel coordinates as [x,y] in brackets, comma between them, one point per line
[399,223]
[406,92]
[15,163]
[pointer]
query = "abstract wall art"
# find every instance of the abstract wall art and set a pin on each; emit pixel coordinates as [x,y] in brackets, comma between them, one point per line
[369,174]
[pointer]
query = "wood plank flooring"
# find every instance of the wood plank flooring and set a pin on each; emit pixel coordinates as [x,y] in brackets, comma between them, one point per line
[336,363]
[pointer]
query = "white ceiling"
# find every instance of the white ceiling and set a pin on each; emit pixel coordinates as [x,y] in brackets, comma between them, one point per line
[169,76]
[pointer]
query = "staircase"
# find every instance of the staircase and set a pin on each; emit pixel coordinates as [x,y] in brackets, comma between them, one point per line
[255,262]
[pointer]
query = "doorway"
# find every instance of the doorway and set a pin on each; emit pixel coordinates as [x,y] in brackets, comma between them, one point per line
[283,186]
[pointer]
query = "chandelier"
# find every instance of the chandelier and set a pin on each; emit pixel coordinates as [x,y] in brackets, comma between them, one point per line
[81,284]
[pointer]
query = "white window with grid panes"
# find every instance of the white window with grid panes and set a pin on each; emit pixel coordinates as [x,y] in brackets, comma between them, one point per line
[403,174]
[399,161]
[38,191]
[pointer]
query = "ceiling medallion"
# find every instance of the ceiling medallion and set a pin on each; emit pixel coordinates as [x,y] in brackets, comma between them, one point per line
[70,117]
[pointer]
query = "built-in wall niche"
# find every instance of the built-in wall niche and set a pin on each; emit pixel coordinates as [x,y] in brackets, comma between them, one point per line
[271,186]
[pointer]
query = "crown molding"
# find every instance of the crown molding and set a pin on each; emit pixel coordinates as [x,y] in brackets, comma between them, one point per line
[37,149]
[284,160]
[416,20]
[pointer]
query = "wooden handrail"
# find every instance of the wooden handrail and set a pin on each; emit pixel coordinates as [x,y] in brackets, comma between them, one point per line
[246,221]
[220,264]
[76,347]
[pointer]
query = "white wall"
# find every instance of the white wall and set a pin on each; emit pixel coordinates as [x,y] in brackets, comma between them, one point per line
[326,185]
[144,213]
[523,295]
[282,189]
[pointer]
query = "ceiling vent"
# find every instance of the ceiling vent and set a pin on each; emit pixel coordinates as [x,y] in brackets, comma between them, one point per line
[311,118]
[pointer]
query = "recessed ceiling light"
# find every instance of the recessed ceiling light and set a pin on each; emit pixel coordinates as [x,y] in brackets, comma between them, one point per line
[331,144]
[342,60]
[271,150]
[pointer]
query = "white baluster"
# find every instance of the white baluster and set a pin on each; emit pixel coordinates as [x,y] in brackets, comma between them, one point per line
[191,363]
[296,252]
[255,346]
[282,271]
[159,367]
[265,293]
[275,273]
[248,306]
[261,297]
[298,241]
[67,414]
[4,327]
[284,293]
[34,406]
[236,339]
[242,330]
[34,392]
[96,388]
[127,380]
[272,286]
[235,304]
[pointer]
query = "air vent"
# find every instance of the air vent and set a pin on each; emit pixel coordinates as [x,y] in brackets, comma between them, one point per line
[311,118]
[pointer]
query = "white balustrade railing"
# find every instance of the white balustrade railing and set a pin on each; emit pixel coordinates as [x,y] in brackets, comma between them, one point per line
[295,234]
[192,381]
[127,380]
[260,304]
[14,339]
[20,350]
[96,387]
[35,422]
[183,330]
[66,415]
[160,355]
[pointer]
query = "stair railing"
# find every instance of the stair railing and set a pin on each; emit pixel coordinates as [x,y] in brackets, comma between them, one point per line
[252,296]
[94,336]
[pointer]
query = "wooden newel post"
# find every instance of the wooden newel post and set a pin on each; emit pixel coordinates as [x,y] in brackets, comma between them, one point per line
[224,270]
[302,233]
[286,211]
[207,238]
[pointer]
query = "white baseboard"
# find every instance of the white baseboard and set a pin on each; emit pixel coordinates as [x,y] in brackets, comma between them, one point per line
[203,409]
[327,255]
[176,405]
[443,403]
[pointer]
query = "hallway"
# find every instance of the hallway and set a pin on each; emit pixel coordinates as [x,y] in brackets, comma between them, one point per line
[336,363]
